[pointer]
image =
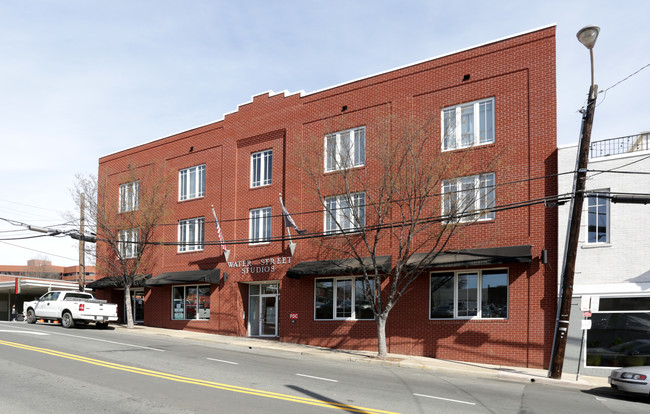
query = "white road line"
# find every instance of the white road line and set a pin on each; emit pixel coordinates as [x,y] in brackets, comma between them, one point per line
[101,340]
[27,332]
[318,378]
[445,399]
[225,362]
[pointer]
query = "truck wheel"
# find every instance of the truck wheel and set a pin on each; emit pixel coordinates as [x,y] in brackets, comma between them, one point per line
[31,317]
[101,325]
[66,320]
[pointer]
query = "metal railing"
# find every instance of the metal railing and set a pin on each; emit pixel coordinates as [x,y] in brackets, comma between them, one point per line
[622,145]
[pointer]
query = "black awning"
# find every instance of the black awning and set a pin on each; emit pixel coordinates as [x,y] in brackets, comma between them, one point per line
[338,267]
[117,282]
[473,257]
[190,276]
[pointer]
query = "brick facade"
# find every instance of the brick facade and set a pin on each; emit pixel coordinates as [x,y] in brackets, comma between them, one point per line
[518,72]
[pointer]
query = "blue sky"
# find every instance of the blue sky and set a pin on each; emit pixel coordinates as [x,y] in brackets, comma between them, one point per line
[83,79]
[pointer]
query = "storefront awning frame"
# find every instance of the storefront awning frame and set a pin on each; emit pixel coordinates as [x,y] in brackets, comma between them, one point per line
[185,277]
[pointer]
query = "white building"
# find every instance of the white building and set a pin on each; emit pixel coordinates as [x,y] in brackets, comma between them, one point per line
[612,273]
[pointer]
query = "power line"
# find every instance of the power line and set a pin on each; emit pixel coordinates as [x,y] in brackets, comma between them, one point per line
[37,251]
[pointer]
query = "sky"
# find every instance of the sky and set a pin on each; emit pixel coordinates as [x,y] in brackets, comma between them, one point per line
[83,79]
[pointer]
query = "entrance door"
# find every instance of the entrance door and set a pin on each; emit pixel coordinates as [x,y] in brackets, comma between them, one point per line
[137,306]
[262,310]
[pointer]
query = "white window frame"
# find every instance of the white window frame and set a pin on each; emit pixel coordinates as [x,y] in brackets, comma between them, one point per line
[261,168]
[463,196]
[598,209]
[260,225]
[345,213]
[184,304]
[345,149]
[191,234]
[479,294]
[129,196]
[191,183]
[353,297]
[455,128]
[128,243]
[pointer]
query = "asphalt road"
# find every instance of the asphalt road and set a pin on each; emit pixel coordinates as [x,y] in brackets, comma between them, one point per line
[45,368]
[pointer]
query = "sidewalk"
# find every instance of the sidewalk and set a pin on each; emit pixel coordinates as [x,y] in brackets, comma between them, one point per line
[433,364]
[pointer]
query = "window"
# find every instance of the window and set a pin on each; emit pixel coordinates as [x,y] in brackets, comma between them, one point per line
[345,149]
[191,183]
[469,198]
[598,218]
[468,124]
[342,298]
[191,302]
[260,225]
[190,234]
[469,294]
[128,243]
[345,213]
[129,194]
[619,334]
[261,168]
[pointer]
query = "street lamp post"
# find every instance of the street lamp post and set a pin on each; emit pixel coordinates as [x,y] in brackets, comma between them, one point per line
[587,36]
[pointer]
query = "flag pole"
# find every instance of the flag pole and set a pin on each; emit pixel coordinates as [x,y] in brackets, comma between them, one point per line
[292,245]
[226,252]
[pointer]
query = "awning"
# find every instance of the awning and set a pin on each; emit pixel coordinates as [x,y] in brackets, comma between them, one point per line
[116,282]
[190,276]
[473,257]
[338,267]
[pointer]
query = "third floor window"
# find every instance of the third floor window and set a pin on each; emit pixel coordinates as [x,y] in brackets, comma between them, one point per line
[345,149]
[261,168]
[129,193]
[191,183]
[468,124]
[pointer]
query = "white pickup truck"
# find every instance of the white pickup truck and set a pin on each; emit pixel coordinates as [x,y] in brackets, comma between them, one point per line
[70,307]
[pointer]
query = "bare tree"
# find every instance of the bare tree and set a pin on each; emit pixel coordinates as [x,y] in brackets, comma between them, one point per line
[125,218]
[406,200]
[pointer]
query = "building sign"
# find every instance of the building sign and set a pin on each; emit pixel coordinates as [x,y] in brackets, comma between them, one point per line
[267,265]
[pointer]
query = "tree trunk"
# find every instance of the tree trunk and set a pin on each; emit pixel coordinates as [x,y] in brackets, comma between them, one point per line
[127,306]
[381,336]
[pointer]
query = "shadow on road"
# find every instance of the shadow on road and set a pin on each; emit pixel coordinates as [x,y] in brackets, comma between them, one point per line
[612,394]
[333,403]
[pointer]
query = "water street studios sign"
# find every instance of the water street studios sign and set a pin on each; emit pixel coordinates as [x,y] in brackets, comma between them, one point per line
[260,266]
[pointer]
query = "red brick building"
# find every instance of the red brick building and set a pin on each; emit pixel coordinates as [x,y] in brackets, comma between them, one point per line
[492,102]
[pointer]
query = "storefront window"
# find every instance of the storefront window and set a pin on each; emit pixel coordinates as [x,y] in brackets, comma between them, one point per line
[468,295]
[342,298]
[191,302]
[620,333]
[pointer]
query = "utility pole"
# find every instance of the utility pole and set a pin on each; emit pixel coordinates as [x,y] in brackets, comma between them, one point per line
[587,37]
[82,245]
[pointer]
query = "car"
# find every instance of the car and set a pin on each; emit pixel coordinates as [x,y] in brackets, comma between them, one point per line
[635,380]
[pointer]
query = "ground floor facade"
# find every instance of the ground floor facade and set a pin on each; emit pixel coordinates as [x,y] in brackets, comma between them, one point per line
[498,310]
[609,328]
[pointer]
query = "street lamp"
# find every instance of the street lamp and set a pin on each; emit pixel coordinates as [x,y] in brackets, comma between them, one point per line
[587,36]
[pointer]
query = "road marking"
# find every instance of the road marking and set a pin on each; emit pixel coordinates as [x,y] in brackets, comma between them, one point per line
[27,332]
[196,381]
[318,378]
[99,340]
[445,399]
[225,362]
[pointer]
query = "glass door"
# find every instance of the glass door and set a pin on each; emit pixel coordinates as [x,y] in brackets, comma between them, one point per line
[262,310]
[137,306]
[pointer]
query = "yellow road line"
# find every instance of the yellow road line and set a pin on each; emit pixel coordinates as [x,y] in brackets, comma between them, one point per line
[195,381]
